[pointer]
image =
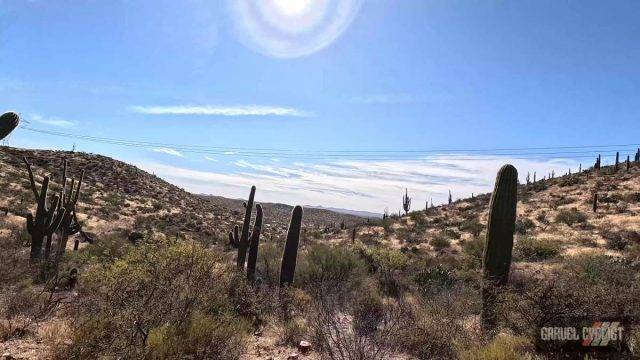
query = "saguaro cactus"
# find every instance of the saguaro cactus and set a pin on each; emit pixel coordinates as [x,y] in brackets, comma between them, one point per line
[595,202]
[628,162]
[47,219]
[450,198]
[288,266]
[617,161]
[499,242]
[406,202]
[638,155]
[243,243]
[253,245]
[70,224]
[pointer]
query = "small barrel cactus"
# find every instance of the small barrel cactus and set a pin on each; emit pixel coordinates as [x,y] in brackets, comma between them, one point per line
[499,242]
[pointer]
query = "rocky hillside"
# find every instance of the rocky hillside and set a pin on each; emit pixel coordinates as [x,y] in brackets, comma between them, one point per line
[120,198]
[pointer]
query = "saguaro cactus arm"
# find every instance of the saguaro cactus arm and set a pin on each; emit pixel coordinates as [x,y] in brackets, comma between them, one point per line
[289,258]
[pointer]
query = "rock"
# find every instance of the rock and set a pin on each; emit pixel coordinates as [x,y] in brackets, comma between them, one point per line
[7,356]
[304,347]
[293,356]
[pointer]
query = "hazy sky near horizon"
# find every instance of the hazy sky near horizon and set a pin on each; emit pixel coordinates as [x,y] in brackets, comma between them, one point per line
[277,91]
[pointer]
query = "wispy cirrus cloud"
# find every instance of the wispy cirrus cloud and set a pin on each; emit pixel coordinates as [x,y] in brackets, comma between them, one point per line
[168,151]
[52,121]
[357,184]
[213,110]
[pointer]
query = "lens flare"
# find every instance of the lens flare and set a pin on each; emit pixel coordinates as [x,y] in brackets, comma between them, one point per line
[291,28]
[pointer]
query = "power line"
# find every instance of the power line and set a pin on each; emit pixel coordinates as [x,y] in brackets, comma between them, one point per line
[565,152]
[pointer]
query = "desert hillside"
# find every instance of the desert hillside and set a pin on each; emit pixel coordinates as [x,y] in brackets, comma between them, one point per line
[120,198]
[402,287]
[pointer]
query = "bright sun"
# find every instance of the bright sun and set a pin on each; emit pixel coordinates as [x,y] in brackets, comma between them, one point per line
[292,7]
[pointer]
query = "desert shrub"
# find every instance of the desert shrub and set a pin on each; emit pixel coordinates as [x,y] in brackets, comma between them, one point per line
[542,218]
[158,300]
[614,239]
[473,250]
[568,293]
[431,279]
[202,336]
[323,266]
[631,197]
[523,225]
[529,248]
[570,216]
[473,226]
[435,326]
[368,336]
[386,264]
[571,180]
[503,347]
[268,264]
[440,241]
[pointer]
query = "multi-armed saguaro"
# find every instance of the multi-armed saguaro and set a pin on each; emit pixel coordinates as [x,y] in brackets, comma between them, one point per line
[47,219]
[499,243]
[406,202]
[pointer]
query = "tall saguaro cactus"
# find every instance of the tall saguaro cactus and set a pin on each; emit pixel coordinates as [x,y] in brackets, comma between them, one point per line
[499,243]
[243,243]
[47,219]
[253,245]
[288,266]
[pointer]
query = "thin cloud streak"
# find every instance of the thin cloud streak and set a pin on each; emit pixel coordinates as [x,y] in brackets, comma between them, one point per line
[356,184]
[169,151]
[52,121]
[235,110]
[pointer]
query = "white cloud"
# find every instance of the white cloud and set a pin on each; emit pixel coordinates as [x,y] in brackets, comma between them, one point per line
[53,121]
[211,158]
[358,184]
[235,110]
[168,151]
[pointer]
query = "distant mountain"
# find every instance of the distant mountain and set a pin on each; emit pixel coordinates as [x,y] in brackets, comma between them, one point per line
[359,213]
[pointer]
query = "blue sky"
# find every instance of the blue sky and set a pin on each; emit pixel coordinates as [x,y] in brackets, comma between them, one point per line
[313,76]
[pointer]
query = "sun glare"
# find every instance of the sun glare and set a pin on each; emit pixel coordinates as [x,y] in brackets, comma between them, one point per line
[292,28]
[292,7]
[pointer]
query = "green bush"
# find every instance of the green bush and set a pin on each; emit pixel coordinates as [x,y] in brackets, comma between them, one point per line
[529,248]
[440,241]
[157,301]
[323,265]
[571,216]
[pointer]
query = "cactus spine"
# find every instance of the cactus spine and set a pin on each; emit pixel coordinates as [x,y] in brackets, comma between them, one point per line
[253,245]
[406,202]
[499,243]
[288,266]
